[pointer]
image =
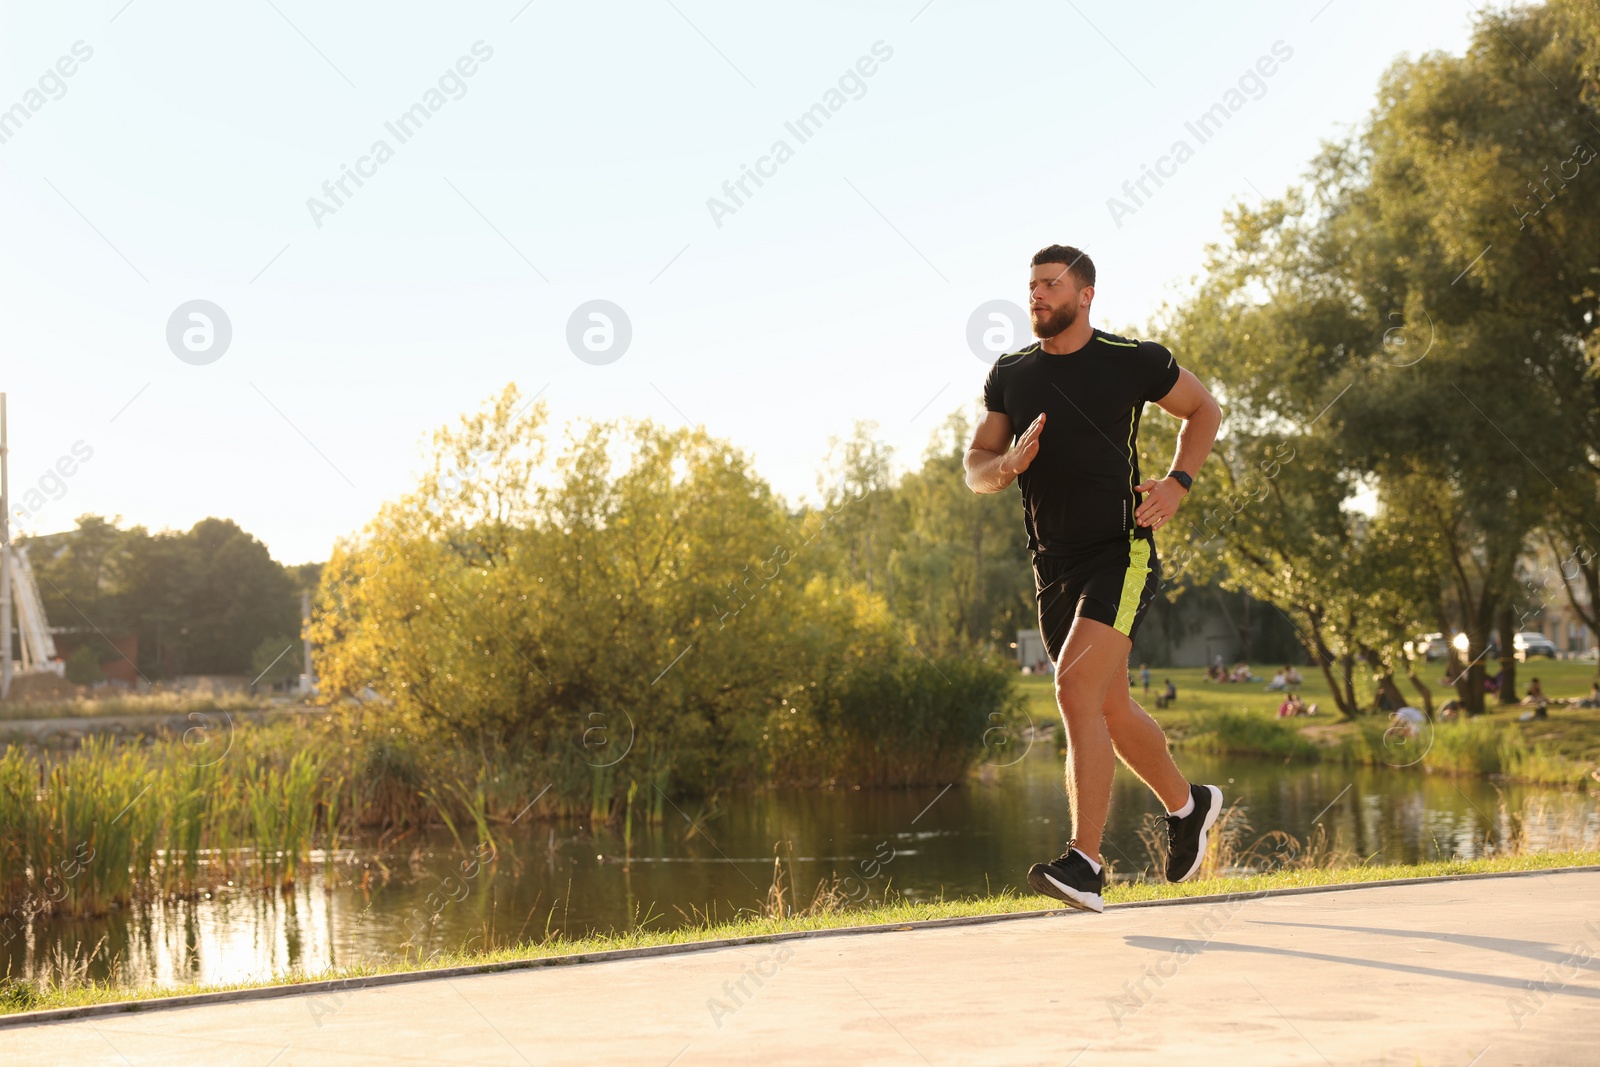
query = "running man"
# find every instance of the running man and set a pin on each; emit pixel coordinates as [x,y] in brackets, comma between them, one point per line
[1063,423]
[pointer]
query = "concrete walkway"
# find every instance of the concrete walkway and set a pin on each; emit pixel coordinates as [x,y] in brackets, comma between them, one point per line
[1464,972]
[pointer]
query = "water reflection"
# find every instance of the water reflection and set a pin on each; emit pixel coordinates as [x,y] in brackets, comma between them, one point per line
[923,843]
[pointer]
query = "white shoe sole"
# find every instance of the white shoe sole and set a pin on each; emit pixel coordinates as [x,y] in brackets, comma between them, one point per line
[1077,898]
[1205,828]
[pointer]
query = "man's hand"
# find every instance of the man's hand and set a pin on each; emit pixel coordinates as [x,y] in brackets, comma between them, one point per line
[1020,455]
[1161,504]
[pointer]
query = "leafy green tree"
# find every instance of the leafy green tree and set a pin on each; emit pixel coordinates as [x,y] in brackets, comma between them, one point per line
[1416,321]
[200,601]
[653,595]
[276,659]
[963,575]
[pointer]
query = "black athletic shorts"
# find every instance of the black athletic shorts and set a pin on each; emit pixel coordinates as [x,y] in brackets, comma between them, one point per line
[1114,586]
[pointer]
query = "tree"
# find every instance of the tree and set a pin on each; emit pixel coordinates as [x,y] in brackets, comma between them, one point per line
[276,659]
[654,590]
[201,601]
[1426,306]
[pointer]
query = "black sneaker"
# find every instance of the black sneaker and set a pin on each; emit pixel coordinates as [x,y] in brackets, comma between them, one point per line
[1186,837]
[1069,879]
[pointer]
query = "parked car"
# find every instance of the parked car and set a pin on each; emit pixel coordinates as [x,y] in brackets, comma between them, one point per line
[1533,643]
[1432,646]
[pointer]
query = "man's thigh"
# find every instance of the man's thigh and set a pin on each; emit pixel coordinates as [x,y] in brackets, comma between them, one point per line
[1093,663]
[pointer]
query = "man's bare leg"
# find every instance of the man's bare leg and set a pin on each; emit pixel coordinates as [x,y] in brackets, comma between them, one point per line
[1142,744]
[1094,655]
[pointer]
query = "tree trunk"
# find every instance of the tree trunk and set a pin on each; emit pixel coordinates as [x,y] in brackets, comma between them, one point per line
[1508,657]
[1384,676]
[1421,687]
[1326,663]
[1475,677]
[1322,657]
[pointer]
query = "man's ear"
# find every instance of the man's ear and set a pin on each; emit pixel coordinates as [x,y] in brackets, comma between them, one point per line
[1086,296]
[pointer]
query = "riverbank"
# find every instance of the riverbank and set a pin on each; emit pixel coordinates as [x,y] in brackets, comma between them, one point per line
[19,997]
[1241,720]
[137,705]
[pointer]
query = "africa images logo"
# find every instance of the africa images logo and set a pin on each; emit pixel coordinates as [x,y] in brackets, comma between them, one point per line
[803,128]
[1203,128]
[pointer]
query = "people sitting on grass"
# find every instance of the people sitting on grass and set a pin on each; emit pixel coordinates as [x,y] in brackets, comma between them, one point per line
[1167,695]
[1535,695]
[1593,699]
[1241,673]
[1292,676]
[1280,681]
[1293,705]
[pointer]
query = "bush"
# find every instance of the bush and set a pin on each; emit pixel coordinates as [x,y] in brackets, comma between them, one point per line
[903,720]
[83,667]
[1238,733]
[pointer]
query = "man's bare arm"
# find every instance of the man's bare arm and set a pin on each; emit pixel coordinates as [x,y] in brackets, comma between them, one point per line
[1202,415]
[992,461]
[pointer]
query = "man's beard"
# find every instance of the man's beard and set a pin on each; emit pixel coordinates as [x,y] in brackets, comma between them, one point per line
[1047,323]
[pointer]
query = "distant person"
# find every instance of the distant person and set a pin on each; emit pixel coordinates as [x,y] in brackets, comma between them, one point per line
[1286,708]
[1144,678]
[1091,517]
[1167,695]
[1292,676]
[1535,693]
[1280,681]
[1593,699]
[1408,720]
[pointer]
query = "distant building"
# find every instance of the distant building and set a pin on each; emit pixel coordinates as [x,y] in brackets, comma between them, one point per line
[1030,649]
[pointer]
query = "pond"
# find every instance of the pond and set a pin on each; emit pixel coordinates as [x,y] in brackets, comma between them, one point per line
[424,895]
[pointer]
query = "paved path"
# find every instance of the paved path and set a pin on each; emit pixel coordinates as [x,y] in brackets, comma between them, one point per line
[1480,972]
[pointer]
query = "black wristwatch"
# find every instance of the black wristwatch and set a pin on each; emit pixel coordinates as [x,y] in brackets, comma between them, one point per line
[1182,479]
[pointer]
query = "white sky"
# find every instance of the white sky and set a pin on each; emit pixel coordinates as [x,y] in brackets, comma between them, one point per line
[178,162]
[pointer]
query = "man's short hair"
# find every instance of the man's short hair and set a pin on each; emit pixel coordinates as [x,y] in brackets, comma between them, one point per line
[1078,264]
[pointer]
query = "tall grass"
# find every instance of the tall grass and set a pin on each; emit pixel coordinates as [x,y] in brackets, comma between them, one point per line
[157,702]
[1239,733]
[1475,747]
[114,822]
[910,721]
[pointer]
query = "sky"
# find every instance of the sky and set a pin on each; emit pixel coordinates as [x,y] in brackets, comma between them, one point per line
[167,160]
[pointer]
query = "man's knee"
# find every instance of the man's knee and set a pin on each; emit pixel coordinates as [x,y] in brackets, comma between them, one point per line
[1078,694]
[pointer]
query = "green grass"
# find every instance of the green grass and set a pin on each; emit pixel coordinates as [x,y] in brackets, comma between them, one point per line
[156,703]
[24,996]
[1241,719]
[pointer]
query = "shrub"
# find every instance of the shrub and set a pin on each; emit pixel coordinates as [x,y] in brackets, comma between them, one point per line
[1238,733]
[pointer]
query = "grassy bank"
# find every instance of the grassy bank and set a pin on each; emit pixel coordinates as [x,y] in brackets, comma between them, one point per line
[26,996]
[1241,719]
[153,703]
[220,800]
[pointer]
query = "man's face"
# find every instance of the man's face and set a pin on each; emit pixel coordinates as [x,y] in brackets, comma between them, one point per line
[1054,299]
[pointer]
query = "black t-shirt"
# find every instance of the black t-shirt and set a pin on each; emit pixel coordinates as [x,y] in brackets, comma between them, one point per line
[1077,495]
